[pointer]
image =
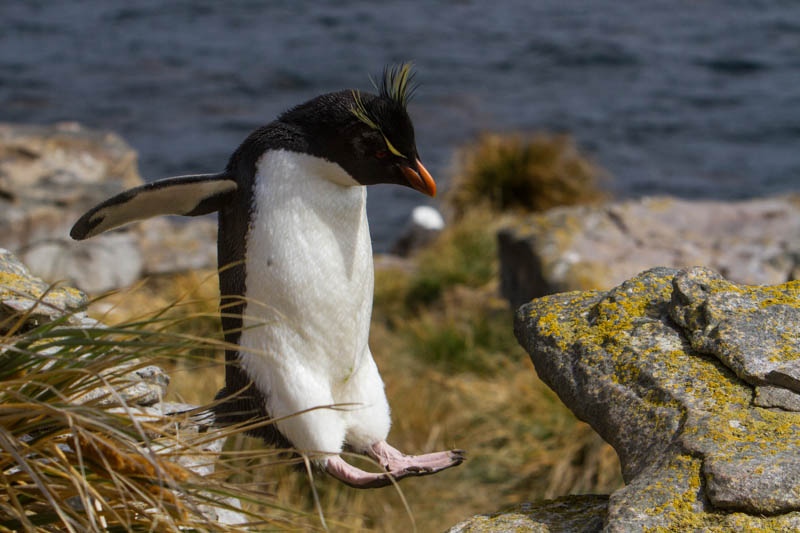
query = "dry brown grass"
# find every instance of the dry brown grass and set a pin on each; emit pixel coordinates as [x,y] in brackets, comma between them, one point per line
[69,461]
[455,377]
[516,172]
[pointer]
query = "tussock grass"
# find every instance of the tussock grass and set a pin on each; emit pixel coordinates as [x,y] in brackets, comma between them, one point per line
[519,172]
[75,457]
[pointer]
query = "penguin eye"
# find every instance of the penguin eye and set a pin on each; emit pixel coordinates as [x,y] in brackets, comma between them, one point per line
[381,154]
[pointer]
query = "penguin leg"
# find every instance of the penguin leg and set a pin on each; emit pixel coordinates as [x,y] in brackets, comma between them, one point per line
[355,477]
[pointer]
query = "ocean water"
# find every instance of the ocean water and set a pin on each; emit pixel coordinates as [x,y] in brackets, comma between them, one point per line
[696,99]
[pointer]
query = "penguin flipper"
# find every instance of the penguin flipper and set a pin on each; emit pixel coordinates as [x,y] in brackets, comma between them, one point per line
[182,195]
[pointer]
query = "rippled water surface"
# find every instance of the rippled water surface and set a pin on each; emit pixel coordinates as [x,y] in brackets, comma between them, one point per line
[698,99]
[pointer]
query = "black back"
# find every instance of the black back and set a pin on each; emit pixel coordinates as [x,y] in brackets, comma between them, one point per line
[240,401]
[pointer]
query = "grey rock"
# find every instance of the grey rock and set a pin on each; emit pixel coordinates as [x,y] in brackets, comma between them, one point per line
[50,175]
[756,333]
[598,247]
[167,246]
[96,265]
[754,481]
[654,366]
[200,460]
[141,387]
[769,396]
[25,297]
[571,514]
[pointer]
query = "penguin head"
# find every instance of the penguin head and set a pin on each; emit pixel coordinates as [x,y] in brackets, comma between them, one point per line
[370,136]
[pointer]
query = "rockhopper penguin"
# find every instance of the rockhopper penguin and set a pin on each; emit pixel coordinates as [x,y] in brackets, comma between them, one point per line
[296,272]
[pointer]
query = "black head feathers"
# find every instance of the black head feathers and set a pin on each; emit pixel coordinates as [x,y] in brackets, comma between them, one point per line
[397,83]
[396,88]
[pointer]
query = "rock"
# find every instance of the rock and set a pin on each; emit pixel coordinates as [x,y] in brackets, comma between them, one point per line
[578,514]
[755,333]
[423,226]
[97,265]
[47,162]
[26,297]
[141,387]
[767,396]
[201,460]
[168,246]
[597,247]
[50,175]
[663,367]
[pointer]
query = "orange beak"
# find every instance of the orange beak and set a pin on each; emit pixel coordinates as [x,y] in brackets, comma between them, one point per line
[422,181]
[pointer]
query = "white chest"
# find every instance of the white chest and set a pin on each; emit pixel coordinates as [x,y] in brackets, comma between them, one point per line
[309,267]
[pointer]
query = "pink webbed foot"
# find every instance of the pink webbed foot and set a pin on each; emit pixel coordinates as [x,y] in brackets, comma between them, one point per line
[393,460]
[397,465]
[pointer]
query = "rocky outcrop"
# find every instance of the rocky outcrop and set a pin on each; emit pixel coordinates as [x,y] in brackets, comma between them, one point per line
[571,514]
[50,175]
[755,242]
[694,381]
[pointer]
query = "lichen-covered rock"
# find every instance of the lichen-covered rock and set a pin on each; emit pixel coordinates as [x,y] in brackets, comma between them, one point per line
[664,367]
[598,247]
[50,175]
[571,514]
[756,333]
[23,294]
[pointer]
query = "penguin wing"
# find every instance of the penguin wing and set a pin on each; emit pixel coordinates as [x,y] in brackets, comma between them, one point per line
[182,195]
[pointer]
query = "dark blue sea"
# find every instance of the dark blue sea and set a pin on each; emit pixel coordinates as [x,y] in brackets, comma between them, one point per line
[697,98]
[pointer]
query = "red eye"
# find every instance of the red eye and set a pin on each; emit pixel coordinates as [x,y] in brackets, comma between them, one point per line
[380,154]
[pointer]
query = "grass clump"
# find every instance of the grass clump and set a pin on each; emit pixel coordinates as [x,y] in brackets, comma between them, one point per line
[523,173]
[74,456]
[465,254]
